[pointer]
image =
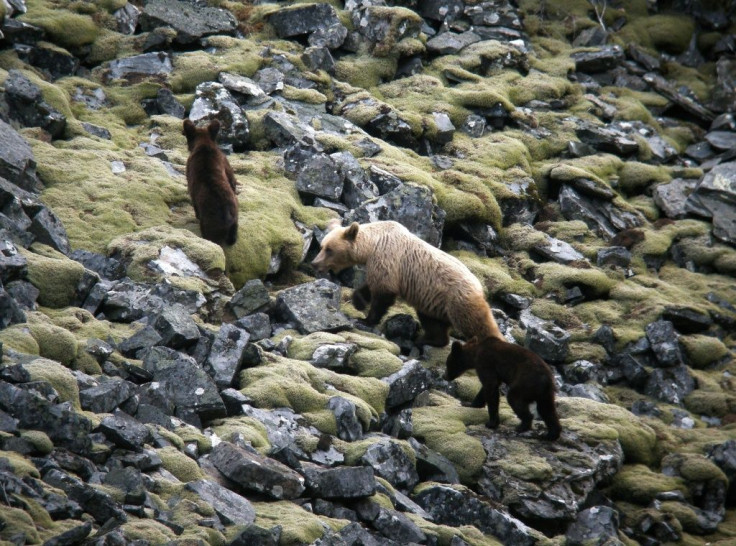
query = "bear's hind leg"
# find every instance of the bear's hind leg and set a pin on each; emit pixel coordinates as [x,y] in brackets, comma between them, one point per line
[379,305]
[520,405]
[436,332]
[492,399]
[547,410]
[480,399]
[361,297]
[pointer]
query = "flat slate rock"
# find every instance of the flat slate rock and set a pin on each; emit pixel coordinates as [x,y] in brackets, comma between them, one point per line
[313,307]
[191,21]
[231,508]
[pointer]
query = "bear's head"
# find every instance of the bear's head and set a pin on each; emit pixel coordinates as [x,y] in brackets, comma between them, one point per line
[459,359]
[196,135]
[336,252]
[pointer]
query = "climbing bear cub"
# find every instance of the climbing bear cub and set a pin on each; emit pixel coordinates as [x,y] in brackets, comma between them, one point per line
[528,377]
[398,263]
[211,184]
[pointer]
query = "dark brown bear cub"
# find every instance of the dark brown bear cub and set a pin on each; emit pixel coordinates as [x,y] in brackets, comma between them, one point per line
[528,377]
[211,184]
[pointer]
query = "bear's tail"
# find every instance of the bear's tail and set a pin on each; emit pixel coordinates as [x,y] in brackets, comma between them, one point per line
[232,234]
[548,412]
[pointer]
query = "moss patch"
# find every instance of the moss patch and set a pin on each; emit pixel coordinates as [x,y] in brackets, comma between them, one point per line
[297,525]
[640,485]
[58,376]
[251,430]
[180,465]
[55,275]
[702,350]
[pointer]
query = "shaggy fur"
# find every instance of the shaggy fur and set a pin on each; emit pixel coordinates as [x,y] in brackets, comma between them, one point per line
[211,184]
[397,263]
[528,377]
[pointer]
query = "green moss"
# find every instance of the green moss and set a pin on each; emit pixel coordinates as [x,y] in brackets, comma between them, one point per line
[637,439]
[380,363]
[189,433]
[442,426]
[365,71]
[662,31]
[702,350]
[685,514]
[297,525]
[634,177]
[249,429]
[495,276]
[711,403]
[147,530]
[58,376]
[292,383]
[53,342]
[19,338]
[640,485]
[39,440]
[302,348]
[55,275]
[180,465]
[19,465]
[61,26]
[557,278]
[17,523]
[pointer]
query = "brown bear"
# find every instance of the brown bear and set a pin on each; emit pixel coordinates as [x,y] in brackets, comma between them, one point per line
[211,183]
[397,263]
[529,379]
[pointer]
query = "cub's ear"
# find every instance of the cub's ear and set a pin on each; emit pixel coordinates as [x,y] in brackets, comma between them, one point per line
[189,128]
[352,232]
[332,224]
[214,128]
[457,347]
[473,340]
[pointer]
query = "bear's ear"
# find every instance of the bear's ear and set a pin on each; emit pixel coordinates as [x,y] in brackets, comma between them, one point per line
[189,129]
[473,340]
[351,232]
[457,347]
[214,128]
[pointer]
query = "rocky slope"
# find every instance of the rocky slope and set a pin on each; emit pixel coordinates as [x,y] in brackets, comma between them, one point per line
[579,157]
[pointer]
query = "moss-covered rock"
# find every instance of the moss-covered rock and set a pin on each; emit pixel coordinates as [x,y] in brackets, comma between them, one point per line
[57,376]
[298,526]
[55,275]
[180,465]
[640,485]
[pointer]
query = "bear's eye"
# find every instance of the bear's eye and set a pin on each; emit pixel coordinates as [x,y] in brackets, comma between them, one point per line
[328,251]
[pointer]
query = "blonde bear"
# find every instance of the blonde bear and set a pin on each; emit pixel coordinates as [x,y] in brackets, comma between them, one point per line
[397,263]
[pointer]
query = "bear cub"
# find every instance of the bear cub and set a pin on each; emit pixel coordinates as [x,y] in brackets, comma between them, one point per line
[211,184]
[528,377]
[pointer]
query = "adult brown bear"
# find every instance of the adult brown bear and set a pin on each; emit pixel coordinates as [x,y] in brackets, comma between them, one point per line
[529,379]
[397,263]
[211,184]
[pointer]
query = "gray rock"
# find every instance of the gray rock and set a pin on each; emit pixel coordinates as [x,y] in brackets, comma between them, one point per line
[333,356]
[596,526]
[686,319]
[213,101]
[13,265]
[242,86]
[721,140]
[618,256]
[474,125]
[270,79]
[457,506]
[53,61]
[127,18]
[231,508]
[107,396]
[299,154]
[670,384]
[283,129]
[603,59]
[607,139]
[318,58]
[96,130]
[345,482]
[581,371]
[591,391]
[357,188]
[450,43]
[10,311]
[313,307]
[331,36]
[129,480]
[253,535]
[671,197]
[100,505]
[445,128]
[494,14]
[190,21]
[714,197]
[391,127]
[254,472]
[441,10]
[64,426]
[258,325]
[48,229]
[396,526]
[404,385]
[137,66]
[348,424]
[383,180]
[28,107]
[558,251]
[412,206]
[548,340]
[226,355]
[320,177]
[603,217]
[75,535]
[432,466]
[668,90]
[176,327]
[401,329]
[398,425]
[390,462]
[723,96]
[139,343]
[665,344]
[523,203]
[183,383]
[125,431]
[724,456]
[298,20]
[252,297]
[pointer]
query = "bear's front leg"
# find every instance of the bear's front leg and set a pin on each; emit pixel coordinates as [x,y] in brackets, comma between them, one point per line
[520,404]
[491,394]
[361,297]
[379,305]
[436,332]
